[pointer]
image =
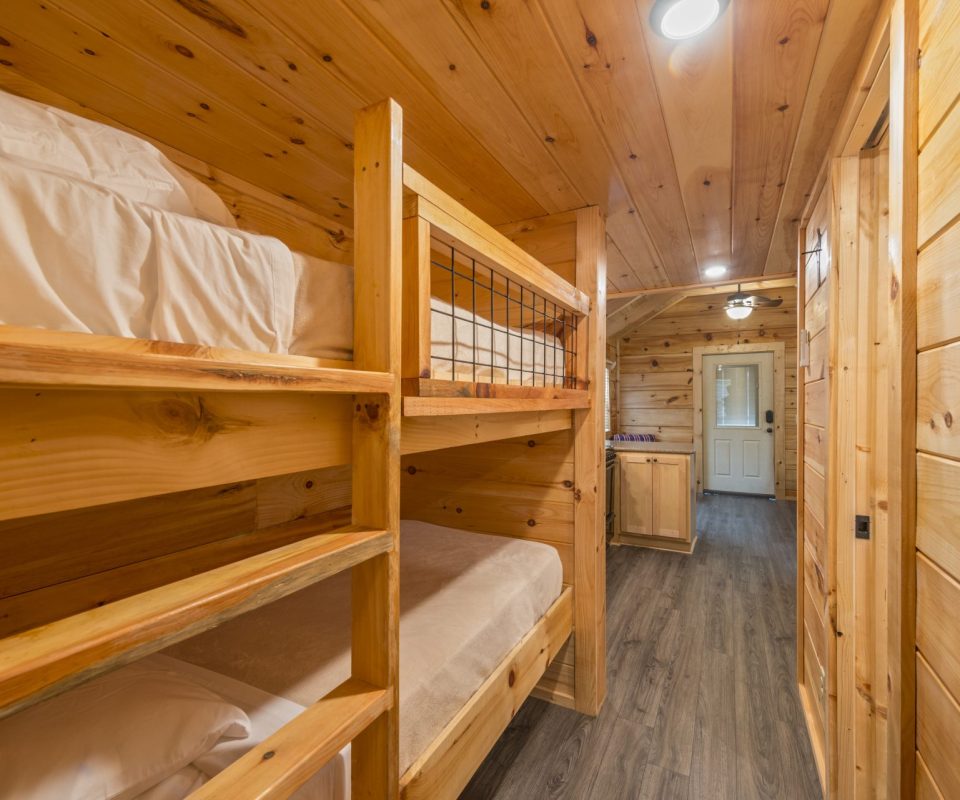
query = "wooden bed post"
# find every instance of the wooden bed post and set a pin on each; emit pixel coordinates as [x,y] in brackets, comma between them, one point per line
[589,510]
[378,180]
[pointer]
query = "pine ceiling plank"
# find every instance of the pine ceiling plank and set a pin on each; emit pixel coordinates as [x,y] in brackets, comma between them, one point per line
[774,45]
[845,34]
[181,55]
[604,45]
[307,75]
[628,231]
[695,82]
[518,44]
[34,66]
[437,50]
[351,52]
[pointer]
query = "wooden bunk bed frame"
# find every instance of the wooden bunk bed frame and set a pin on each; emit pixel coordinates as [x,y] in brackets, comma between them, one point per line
[116,423]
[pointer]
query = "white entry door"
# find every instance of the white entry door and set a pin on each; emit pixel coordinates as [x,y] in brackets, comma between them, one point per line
[738,423]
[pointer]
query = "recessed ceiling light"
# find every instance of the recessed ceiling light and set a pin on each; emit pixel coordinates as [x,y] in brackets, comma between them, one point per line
[683,19]
[716,271]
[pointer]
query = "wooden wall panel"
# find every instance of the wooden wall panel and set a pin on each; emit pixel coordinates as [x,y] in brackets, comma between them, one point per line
[938,729]
[107,447]
[938,511]
[522,488]
[938,403]
[656,366]
[938,599]
[70,561]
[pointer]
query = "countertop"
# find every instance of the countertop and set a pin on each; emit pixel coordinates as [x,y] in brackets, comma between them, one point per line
[679,448]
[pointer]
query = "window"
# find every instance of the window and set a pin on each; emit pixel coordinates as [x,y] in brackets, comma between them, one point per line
[607,424]
[738,389]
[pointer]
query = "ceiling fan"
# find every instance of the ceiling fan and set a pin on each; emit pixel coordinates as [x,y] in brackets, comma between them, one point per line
[740,304]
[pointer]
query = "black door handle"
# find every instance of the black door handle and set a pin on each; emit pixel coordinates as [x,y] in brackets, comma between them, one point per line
[769,417]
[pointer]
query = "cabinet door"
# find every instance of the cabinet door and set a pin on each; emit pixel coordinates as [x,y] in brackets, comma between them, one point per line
[636,494]
[670,481]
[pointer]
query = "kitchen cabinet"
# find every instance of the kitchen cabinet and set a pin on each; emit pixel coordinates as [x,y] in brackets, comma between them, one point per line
[656,506]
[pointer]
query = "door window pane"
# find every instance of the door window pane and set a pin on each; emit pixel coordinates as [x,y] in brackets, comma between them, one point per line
[737,388]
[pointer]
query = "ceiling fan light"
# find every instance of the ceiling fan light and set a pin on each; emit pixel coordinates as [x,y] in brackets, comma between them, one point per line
[684,19]
[739,311]
[714,272]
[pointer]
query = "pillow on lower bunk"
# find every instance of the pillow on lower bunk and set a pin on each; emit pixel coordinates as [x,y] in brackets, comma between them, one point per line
[177,786]
[114,737]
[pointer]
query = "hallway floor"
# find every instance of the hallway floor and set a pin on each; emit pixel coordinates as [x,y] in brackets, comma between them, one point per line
[701,695]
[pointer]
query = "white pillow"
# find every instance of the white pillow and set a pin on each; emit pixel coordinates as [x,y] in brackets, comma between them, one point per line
[177,786]
[113,737]
[48,138]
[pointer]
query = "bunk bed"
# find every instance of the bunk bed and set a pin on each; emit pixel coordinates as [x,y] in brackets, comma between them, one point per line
[197,424]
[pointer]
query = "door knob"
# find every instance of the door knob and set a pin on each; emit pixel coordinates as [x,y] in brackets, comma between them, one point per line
[769,430]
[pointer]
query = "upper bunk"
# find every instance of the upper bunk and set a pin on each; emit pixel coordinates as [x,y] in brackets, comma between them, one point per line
[162,289]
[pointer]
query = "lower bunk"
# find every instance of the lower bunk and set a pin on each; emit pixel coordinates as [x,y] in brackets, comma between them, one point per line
[481,618]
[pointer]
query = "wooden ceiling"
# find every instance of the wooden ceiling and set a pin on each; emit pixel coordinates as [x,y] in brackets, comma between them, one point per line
[699,152]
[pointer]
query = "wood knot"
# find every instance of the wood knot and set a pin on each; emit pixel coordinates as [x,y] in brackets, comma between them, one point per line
[4,42]
[209,12]
[411,470]
[372,411]
[591,38]
[577,494]
[459,510]
[894,287]
[531,443]
[511,678]
[568,484]
[183,50]
[269,754]
[309,484]
[327,57]
[532,523]
[485,5]
[948,419]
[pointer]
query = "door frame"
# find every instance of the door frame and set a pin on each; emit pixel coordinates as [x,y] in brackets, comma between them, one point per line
[779,406]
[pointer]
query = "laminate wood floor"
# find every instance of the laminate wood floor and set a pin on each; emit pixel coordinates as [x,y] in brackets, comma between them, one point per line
[701,691]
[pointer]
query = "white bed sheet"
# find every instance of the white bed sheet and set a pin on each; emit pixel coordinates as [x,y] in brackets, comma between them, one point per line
[466,600]
[75,256]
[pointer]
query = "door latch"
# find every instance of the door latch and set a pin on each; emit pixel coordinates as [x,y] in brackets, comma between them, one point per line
[861,527]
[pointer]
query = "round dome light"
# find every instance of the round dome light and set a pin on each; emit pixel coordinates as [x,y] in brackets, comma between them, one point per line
[684,19]
[739,311]
[714,272]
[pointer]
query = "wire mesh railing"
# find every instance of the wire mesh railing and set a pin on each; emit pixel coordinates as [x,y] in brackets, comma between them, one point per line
[487,328]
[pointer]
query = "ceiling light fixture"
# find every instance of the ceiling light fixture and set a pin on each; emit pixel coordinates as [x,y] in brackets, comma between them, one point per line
[739,311]
[714,272]
[684,19]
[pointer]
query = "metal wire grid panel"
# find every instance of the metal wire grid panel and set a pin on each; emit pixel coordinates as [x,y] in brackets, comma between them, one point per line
[486,328]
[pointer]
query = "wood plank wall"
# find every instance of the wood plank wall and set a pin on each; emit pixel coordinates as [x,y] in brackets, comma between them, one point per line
[815,639]
[655,389]
[938,401]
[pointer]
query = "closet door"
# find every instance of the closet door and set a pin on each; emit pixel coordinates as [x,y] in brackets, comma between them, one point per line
[636,494]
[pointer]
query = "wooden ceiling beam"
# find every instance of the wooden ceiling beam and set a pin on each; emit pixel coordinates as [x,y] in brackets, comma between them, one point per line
[749,284]
[640,311]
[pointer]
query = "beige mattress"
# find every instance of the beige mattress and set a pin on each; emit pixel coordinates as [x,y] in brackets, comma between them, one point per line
[466,600]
